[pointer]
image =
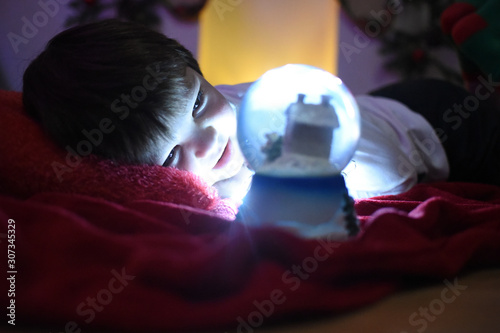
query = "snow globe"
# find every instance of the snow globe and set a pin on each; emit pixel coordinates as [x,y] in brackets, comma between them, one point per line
[298,127]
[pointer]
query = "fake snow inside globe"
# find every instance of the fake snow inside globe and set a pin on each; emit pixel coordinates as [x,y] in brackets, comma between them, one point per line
[298,127]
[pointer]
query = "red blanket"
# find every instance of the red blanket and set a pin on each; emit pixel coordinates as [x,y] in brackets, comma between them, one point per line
[128,254]
[151,265]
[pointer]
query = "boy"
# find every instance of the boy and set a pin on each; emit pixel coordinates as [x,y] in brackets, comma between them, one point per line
[166,113]
[152,91]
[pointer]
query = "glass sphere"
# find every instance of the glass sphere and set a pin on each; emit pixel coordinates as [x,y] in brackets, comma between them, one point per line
[296,121]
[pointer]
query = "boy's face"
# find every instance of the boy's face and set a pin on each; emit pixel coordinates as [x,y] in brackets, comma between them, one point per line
[204,139]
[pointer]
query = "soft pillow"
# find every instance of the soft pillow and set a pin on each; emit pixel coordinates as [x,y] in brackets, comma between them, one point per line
[31,163]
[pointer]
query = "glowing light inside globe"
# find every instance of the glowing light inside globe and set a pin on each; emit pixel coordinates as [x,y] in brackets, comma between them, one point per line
[297,121]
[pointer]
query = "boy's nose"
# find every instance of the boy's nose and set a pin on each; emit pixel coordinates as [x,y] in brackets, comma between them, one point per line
[207,142]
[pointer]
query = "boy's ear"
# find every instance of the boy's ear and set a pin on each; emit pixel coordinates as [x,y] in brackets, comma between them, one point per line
[31,163]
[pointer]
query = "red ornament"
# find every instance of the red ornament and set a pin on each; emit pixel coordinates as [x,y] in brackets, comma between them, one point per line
[187,10]
[418,55]
[90,2]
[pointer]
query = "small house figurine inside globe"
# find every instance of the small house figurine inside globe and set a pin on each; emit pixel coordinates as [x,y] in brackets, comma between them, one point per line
[298,127]
[313,121]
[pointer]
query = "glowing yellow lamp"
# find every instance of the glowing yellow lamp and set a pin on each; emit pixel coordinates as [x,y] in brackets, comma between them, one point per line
[241,39]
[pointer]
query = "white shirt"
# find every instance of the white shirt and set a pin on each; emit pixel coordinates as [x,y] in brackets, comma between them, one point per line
[397,149]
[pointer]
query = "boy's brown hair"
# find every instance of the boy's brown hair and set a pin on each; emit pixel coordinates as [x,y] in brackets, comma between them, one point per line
[109,88]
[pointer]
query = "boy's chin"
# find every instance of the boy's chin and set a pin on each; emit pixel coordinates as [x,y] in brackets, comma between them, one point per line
[236,187]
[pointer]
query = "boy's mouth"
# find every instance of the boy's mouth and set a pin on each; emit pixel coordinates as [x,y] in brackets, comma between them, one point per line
[225,157]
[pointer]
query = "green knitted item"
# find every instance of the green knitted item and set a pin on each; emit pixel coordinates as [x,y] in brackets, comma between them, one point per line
[474,27]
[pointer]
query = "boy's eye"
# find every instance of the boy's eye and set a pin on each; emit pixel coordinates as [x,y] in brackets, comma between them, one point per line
[197,104]
[172,157]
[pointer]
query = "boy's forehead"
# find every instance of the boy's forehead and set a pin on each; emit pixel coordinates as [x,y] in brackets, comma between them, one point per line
[191,78]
